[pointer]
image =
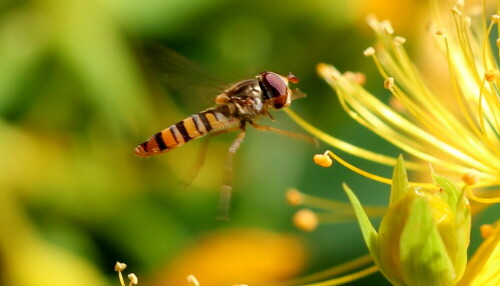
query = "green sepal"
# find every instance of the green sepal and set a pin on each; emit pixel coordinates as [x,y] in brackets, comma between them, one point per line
[457,235]
[399,181]
[392,224]
[423,255]
[369,233]
[451,191]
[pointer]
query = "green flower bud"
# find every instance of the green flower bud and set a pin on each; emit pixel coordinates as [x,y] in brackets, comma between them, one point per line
[423,237]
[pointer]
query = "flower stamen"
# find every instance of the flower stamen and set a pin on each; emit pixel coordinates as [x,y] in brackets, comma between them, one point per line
[358,170]
[471,178]
[486,230]
[323,160]
[370,51]
[192,281]
[466,112]
[347,147]
[305,220]
[389,83]
[356,77]
[341,209]
[294,197]
[133,279]
[119,267]
[472,196]
[464,42]
[347,278]
[352,265]
[399,40]
[491,75]
[373,176]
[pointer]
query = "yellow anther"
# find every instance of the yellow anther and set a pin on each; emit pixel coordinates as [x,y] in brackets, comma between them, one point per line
[389,83]
[119,266]
[387,26]
[370,51]
[305,220]
[471,178]
[456,10]
[396,104]
[486,230]
[133,279]
[399,40]
[467,21]
[323,160]
[371,20]
[294,197]
[491,75]
[192,281]
[357,77]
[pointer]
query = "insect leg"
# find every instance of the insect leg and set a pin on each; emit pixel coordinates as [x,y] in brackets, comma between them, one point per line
[227,185]
[202,155]
[286,133]
[270,115]
[200,161]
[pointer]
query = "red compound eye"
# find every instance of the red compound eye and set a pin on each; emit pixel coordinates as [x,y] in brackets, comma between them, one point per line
[275,88]
[275,84]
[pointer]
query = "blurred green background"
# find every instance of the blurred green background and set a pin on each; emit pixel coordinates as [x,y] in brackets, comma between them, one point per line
[75,101]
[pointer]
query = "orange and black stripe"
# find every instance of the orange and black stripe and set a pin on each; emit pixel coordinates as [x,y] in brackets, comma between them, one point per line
[195,126]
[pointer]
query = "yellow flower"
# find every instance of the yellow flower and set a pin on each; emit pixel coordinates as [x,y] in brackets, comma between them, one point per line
[422,239]
[483,268]
[453,125]
[458,134]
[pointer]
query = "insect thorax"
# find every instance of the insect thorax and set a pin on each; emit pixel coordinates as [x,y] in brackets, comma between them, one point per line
[247,98]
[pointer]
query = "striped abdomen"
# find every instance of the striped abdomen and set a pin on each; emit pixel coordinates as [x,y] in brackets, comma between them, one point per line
[213,119]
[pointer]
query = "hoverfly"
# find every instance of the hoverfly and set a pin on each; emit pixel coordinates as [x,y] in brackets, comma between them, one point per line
[239,105]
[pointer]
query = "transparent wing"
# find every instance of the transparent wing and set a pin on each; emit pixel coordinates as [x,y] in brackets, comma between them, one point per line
[190,85]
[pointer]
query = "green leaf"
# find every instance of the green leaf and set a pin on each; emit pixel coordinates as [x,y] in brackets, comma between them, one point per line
[369,233]
[399,181]
[423,255]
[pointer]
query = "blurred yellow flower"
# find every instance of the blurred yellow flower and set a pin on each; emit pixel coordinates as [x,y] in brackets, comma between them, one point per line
[229,257]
